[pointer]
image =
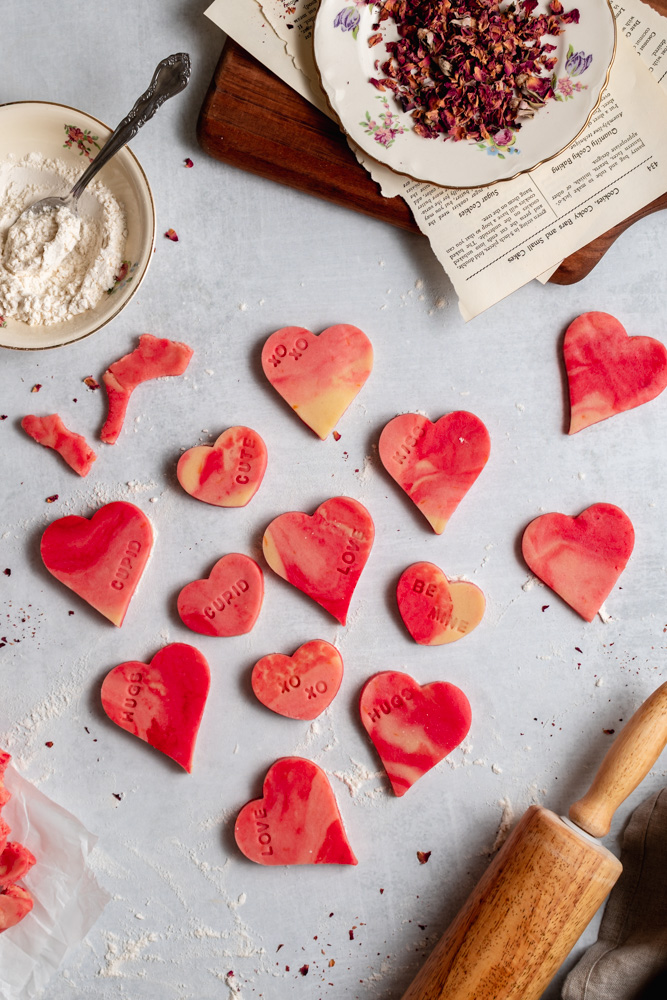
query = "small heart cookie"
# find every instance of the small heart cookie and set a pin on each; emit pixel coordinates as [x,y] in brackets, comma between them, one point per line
[161,702]
[300,686]
[436,464]
[227,473]
[100,559]
[412,727]
[318,376]
[296,822]
[434,609]
[608,371]
[580,558]
[228,601]
[323,554]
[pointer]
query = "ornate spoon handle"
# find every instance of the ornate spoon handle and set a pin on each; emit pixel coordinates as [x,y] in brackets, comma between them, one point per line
[170,78]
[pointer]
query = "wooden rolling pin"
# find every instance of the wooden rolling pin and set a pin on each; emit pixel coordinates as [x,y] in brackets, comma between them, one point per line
[539,893]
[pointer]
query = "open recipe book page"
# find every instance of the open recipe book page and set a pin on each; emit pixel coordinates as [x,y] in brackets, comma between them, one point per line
[493,240]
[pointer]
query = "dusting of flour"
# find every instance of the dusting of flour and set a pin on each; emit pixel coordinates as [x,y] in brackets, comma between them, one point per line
[65,276]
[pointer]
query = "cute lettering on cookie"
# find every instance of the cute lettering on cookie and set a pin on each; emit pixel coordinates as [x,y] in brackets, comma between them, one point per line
[126,565]
[310,690]
[225,599]
[282,351]
[246,455]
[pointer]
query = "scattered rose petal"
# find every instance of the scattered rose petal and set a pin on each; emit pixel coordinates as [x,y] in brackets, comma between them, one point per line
[91,383]
[609,732]
[304,970]
[52,499]
[36,387]
[8,572]
[336,436]
[423,856]
[49,743]
[171,235]
[188,162]
[3,416]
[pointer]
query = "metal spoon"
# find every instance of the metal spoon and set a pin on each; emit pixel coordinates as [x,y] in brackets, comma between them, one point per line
[170,78]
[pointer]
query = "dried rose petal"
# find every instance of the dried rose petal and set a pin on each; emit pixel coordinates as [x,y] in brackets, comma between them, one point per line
[91,383]
[336,436]
[423,856]
[188,162]
[171,235]
[36,387]
[52,499]
[469,69]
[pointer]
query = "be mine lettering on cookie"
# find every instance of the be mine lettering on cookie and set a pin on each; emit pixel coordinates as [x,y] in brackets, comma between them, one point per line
[434,609]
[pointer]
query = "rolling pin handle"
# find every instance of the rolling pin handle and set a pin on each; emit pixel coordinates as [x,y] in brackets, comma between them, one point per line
[629,760]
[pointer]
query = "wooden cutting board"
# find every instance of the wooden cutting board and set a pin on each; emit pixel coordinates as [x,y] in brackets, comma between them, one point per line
[252,120]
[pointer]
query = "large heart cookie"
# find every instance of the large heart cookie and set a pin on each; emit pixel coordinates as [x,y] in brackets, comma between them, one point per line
[227,473]
[161,702]
[323,554]
[100,559]
[300,686]
[581,558]
[436,464]
[318,376]
[228,601]
[608,371]
[412,727]
[296,822]
[434,609]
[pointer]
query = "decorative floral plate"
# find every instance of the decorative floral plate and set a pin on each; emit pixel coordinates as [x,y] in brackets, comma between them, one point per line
[60,132]
[374,120]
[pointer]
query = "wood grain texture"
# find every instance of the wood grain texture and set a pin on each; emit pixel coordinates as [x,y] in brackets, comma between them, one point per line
[626,763]
[523,917]
[252,120]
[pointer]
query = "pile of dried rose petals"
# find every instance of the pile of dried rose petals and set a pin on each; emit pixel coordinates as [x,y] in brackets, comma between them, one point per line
[467,69]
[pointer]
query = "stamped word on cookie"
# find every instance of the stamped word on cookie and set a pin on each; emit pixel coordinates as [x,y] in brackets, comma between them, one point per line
[100,559]
[608,371]
[296,822]
[228,601]
[412,727]
[300,686]
[161,702]
[227,473]
[318,376]
[436,610]
[436,464]
[322,554]
[580,558]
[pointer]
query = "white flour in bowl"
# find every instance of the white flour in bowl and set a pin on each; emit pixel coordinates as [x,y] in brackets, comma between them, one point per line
[55,269]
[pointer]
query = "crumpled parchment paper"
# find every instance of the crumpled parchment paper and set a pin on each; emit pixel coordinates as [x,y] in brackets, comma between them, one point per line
[68,899]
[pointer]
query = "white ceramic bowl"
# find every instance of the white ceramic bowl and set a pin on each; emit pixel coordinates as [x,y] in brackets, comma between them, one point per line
[40,127]
[376,123]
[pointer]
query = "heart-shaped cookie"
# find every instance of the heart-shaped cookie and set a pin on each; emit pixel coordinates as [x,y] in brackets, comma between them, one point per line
[296,822]
[300,686]
[434,609]
[412,727]
[581,558]
[608,371]
[323,554]
[318,376]
[228,601]
[436,464]
[100,559]
[161,702]
[227,473]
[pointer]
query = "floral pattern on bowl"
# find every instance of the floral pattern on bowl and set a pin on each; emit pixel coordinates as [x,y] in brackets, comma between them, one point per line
[124,276]
[82,139]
